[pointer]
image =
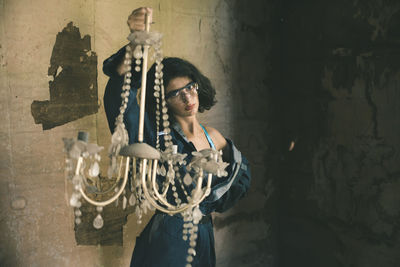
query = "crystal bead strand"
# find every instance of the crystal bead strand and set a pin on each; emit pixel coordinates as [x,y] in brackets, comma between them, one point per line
[192,220]
[138,54]
[139,195]
[187,218]
[159,84]
[139,213]
[175,170]
[175,194]
[78,215]
[178,177]
[157,97]
[136,198]
[69,168]
[132,171]
[120,135]
[76,196]
[157,81]
[127,85]
[165,117]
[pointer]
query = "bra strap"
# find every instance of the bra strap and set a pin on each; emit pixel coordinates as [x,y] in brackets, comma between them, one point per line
[210,141]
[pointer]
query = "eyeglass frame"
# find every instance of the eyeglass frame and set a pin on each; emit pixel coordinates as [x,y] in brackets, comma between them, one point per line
[177,92]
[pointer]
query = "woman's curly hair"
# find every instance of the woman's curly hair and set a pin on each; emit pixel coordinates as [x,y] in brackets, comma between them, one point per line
[176,67]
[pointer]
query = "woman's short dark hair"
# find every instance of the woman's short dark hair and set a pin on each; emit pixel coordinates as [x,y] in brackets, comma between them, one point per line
[176,67]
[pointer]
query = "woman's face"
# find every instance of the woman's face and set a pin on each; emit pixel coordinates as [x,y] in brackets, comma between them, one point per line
[182,97]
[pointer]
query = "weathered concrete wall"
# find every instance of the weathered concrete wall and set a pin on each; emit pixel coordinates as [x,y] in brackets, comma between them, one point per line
[37,227]
[340,203]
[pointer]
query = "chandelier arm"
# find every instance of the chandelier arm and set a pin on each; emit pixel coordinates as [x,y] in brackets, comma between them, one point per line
[208,189]
[198,185]
[144,81]
[134,174]
[165,190]
[78,165]
[85,182]
[154,203]
[149,169]
[119,170]
[112,199]
[98,192]
[160,197]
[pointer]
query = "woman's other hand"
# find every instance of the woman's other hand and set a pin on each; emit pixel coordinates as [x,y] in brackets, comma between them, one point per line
[136,20]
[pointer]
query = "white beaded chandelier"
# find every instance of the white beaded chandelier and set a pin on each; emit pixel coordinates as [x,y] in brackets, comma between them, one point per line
[153,173]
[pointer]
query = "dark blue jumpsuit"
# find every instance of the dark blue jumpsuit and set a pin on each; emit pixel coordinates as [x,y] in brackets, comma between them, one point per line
[161,243]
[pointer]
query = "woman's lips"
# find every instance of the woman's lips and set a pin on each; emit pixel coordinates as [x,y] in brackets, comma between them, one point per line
[189,107]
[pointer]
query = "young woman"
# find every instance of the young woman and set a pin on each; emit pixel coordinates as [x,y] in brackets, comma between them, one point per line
[187,93]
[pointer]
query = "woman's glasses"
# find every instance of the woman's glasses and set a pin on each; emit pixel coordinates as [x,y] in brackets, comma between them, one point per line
[190,88]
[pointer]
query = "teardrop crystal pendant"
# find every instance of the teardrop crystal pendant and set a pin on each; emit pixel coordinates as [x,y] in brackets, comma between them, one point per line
[163,171]
[137,53]
[187,179]
[132,200]
[98,222]
[94,170]
[124,201]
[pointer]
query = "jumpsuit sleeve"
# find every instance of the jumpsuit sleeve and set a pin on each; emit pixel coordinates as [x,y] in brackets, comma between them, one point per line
[112,100]
[227,191]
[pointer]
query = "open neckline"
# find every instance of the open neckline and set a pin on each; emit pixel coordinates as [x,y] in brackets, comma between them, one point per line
[178,128]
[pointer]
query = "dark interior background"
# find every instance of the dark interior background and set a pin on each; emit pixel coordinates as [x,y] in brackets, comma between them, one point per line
[324,74]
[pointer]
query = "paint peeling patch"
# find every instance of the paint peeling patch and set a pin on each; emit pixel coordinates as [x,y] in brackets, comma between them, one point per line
[73,89]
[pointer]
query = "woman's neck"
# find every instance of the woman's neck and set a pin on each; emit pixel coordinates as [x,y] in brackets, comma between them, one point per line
[190,125]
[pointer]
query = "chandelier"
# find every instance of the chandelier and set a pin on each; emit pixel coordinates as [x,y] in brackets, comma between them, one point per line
[149,175]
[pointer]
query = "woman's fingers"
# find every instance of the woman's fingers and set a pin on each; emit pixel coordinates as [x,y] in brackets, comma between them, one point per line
[136,20]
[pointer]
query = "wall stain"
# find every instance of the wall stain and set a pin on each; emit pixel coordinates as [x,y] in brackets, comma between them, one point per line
[73,91]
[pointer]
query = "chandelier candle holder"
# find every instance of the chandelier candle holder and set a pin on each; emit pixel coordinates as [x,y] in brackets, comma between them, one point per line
[151,175]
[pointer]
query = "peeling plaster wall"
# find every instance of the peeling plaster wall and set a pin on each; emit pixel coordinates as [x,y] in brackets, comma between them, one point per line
[339,203]
[37,226]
